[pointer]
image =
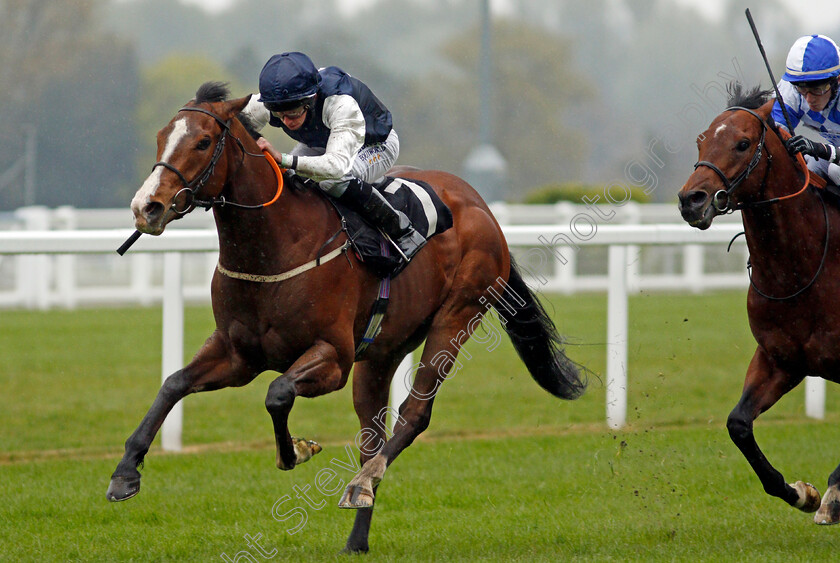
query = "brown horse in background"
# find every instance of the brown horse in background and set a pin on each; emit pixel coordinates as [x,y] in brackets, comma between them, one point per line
[793,236]
[307,324]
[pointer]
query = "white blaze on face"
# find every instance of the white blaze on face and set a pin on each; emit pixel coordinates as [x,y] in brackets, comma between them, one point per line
[720,129]
[144,195]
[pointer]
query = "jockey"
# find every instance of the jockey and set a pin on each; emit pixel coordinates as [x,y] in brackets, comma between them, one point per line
[809,91]
[345,137]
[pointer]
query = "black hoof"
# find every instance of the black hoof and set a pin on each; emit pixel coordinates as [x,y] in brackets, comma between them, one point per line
[355,550]
[122,488]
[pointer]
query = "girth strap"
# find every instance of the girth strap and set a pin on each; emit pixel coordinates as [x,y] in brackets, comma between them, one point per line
[380,306]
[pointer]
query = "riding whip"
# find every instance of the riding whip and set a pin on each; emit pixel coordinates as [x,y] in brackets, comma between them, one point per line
[770,71]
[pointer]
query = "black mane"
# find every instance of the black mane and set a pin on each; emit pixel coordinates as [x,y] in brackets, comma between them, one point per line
[753,98]
[219,92]
[212,92]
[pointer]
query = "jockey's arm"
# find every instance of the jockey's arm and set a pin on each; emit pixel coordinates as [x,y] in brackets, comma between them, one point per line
[255,113]
[793,102]
[344,118]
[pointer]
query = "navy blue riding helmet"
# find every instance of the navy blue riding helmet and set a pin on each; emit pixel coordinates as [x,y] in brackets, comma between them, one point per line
[286,79]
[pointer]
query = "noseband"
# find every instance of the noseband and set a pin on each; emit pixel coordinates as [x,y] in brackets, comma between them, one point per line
[720,200]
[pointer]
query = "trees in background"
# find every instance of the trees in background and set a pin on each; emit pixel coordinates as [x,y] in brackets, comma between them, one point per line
[535,88]
[73,88]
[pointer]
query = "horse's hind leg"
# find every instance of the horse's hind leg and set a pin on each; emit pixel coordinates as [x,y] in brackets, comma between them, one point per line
[210,369]
[371,390]
[317,372]
[764,385]
[829,512]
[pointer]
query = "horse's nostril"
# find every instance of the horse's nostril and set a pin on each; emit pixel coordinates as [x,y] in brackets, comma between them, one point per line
[153,210]
[698,198]
[693,199]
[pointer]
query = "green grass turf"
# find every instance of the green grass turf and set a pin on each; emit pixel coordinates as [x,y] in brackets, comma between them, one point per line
[505,472]
[682,494]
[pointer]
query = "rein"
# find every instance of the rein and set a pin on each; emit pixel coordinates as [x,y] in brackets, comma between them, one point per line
[192,187]
[819,269]
[721,199]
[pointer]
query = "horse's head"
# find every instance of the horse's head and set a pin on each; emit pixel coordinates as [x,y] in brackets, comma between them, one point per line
[729,150]
[191,159]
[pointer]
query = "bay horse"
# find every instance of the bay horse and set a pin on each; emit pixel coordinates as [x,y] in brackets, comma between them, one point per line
[793,237]
[307,322]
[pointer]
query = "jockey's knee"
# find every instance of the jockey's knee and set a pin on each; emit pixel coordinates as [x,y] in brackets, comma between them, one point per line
[334,188]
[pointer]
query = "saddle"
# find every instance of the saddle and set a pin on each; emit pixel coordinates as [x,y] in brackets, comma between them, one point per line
[426,211]
[428,214]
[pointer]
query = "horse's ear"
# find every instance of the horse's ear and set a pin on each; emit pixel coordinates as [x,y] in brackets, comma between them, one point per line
[233,107]
[766,109]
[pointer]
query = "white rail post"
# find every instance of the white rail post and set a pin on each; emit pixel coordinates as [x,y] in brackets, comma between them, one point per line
[173,343]
[617,337]
[65,275]
[34,270]
[815,397]
[633,216]
[693,267]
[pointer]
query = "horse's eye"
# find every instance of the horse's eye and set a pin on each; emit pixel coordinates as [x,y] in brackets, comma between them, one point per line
[743,145]
[203,144]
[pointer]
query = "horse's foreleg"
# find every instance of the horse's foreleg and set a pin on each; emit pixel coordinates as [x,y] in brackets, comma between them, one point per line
[315,373]
[125,481]
[210,369]
[439,358]
[371,389]
[764,385]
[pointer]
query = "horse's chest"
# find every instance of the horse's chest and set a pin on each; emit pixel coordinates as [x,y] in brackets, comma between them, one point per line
[811,352]
[264,344]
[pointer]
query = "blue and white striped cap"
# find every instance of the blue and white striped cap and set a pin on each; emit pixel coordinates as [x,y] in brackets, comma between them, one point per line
[813,57]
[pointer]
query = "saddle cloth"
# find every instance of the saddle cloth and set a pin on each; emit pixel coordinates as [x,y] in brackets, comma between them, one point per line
[429,215]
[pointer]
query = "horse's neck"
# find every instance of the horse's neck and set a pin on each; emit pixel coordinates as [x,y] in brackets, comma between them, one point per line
[786,239]
[275,238]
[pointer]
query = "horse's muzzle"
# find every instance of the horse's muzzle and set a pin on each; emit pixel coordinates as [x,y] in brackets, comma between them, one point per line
[149,218]
[697,209]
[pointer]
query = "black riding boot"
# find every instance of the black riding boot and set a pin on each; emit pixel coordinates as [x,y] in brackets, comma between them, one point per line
[374,208]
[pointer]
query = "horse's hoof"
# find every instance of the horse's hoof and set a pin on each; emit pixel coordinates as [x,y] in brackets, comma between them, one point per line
[305,449]
[355,550]
[356,497]
[809,497]
[122,488]
[829,512]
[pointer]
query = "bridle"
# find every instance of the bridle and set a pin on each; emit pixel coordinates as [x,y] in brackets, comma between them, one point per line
[721,199]
[192,187]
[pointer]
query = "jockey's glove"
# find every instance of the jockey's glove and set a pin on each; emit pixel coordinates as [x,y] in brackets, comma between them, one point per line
[288,161]
[804,145]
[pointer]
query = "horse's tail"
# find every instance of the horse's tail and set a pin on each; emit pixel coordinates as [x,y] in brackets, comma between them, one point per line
[536,340]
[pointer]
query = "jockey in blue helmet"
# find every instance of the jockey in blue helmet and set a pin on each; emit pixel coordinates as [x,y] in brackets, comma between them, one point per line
[346,140]
[809,91]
